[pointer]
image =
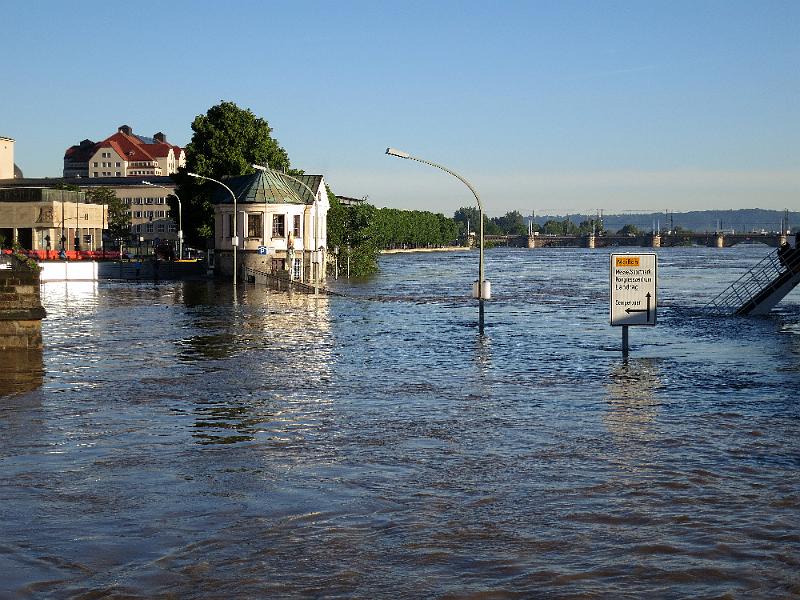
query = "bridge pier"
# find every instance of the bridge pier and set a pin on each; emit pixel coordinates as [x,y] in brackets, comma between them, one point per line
[655,242]
[590,241]
[532,241]
[720,241]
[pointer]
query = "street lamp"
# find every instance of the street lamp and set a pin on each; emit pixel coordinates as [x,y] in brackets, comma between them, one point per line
[180,216]
[481,293]
[316,252]
[235,236]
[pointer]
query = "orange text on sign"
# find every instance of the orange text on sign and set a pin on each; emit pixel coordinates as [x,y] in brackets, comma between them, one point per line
[627,261]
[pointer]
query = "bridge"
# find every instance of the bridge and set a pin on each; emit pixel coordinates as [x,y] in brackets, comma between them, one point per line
[664,240]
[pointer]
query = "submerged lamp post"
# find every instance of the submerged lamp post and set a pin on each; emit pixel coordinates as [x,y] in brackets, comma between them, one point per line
[234,236]
[481,292]
[180,216]
[317,251]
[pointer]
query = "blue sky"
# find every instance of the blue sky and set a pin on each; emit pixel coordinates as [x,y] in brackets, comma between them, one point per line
[551,107]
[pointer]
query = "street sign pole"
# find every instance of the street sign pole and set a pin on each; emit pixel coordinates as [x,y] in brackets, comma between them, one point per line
[625,341]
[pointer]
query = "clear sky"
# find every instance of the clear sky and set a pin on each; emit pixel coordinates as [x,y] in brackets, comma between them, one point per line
[552,107]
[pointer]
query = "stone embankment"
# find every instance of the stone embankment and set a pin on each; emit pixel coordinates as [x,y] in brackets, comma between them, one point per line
[21,310]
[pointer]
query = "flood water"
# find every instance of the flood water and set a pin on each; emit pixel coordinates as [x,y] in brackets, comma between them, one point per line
[175,441]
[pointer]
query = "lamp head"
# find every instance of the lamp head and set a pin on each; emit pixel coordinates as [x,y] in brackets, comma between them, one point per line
[195,175]
[397,153]
[260,167]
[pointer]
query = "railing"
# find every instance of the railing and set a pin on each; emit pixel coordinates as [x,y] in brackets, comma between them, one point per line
[755,285]
[280,282]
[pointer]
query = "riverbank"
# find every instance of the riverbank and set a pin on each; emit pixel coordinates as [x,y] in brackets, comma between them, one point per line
[410,250]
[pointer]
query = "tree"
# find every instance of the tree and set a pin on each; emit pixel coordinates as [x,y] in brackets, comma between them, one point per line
[512,223]
[472,215]
[630,230]
[119,218]
[227,141]
[565,227]
[351,229]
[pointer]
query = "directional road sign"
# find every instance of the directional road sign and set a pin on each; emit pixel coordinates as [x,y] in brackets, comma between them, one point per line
[633,289]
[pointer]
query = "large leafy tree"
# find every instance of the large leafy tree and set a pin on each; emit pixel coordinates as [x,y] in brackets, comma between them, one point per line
[227,141]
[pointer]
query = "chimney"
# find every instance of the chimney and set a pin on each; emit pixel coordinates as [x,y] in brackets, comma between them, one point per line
[125,129]
[160,137]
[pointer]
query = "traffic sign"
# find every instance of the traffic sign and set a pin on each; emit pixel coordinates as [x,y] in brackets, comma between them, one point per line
[633,289]
[263,250]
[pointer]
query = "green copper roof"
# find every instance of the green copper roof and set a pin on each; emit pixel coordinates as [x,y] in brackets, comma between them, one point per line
[259,188]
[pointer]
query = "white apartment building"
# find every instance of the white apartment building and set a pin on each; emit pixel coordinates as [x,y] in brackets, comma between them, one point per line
[124,154]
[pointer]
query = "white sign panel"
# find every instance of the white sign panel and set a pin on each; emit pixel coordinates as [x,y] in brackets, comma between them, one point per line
[633,289]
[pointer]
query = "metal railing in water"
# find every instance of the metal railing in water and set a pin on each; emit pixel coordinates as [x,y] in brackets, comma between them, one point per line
[757,283]
[282,282]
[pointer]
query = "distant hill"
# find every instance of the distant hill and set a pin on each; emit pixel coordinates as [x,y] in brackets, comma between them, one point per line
[747,219]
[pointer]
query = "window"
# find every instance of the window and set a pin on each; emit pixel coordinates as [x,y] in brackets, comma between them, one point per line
[149,228]
[278,226]
[160,214]
[160,228]
[137,214]
[254,225]
[230,226]
[150,214]
[296,229]
[297,269]
[95,164]
[173,228]
[118,165]
[119,174]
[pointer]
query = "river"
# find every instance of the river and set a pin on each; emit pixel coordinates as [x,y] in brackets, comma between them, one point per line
[176,441]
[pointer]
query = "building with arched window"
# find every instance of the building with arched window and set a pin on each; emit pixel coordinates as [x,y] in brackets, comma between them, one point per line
[281,225]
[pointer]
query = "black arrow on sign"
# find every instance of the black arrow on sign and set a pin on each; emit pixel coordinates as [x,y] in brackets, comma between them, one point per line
[647,310]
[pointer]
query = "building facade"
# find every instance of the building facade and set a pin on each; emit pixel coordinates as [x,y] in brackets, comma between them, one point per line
[280,229]
[6,158]
[148,206]
[46,219]
[124,154]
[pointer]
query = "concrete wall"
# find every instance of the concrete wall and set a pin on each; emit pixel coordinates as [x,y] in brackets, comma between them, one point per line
[21,311]
[68,271]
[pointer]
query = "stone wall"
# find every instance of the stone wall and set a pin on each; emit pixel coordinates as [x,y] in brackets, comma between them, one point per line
[21,311]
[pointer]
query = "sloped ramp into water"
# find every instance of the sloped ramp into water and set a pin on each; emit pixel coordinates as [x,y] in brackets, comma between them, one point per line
[762,287]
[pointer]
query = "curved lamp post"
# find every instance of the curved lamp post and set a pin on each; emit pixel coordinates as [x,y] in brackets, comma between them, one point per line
[316,216]
[180,216]
[481,280]
[235,236]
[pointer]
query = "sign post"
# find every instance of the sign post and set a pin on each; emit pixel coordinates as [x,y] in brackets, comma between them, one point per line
[633,298]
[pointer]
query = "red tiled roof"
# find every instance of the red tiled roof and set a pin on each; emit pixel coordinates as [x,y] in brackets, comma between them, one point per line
[158,149]
[128,147]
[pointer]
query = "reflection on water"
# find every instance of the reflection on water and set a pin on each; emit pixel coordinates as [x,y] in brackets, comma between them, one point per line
[22,371]
[632,394]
